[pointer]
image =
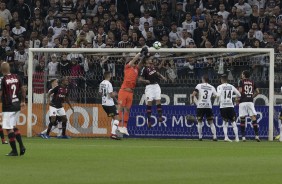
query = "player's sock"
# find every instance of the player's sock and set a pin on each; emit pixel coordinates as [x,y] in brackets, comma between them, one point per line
[49,128]
[114,126]
[160,111]
[200,130]
[18,137]
[149,113]
[121,119]
[242,126]
[12,141]
[125,118]
[64,128]
[2,134]
[235,129]
[255,125]
[225,126]
[213,130]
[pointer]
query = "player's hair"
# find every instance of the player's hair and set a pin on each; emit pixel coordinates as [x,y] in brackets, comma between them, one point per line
[205,77]
[107,74]
[246,73]
[52,80]
[224,77]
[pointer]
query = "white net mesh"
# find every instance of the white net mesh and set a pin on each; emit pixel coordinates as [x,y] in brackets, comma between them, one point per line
[183,70]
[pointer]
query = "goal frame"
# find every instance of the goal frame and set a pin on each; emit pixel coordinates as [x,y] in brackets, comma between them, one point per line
[269,51]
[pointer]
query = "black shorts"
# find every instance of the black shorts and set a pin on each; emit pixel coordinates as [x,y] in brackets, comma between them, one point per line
[110,110]
[202,112]
[228,114]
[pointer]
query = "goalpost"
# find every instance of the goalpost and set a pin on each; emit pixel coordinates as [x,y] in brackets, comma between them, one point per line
[244,55]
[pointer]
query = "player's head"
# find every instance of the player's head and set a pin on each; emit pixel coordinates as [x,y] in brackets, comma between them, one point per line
[149,61]
[205,78]
[54,82]
[5,68]
[107,75]
[246,74]
[65,81]
[223,78]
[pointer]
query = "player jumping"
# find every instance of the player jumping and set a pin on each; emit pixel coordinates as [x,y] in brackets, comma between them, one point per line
[225,92]
[204,91]
[60,95]
[248,92]
[150,76]
[108,102]
[125,96]
[13,98]
[54,83]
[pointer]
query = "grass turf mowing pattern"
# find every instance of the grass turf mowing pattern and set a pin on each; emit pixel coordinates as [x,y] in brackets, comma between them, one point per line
[134,161]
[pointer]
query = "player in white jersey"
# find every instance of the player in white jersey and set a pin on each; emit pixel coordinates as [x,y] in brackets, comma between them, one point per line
[204,91]
[226,92]
[54,83]
[108,102]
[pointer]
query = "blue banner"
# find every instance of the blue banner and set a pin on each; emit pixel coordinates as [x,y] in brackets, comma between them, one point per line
[175,124]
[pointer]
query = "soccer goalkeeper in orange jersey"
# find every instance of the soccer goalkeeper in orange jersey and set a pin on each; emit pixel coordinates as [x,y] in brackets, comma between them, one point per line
[125,95]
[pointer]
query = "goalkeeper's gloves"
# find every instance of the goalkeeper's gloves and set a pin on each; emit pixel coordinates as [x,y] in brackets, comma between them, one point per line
[144,51]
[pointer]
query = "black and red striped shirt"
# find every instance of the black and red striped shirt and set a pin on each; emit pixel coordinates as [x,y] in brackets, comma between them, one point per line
[59,95]
[11,97]
[248,88]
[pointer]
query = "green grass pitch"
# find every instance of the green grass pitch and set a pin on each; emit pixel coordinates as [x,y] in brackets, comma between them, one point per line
[144,161]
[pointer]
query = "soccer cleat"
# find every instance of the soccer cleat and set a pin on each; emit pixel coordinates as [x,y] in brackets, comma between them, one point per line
[227,140]
[64,137]
[12,154]
[214,139]
[126,131]
[43,136]
[47,137]
[4,142]
[277,137]
[257,139]
[22,152]
[115,137]
[200,139]
[237,139]
[244,139]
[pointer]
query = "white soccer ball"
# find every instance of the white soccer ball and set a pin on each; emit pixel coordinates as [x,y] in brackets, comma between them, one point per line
[157,45]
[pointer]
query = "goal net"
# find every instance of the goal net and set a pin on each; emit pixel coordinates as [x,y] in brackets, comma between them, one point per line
[182,67]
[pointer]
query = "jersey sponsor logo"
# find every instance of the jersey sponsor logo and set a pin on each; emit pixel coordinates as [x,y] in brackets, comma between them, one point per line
[11,81]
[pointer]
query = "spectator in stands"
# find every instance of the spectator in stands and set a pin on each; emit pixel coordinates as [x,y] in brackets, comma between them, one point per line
[18,30]
[99,43]
[174,34]
[257,33]
[23,11]
[91,8]
[64,66]
[198,32]
[245,7]
[234,42]
[150,39]
[223,12]
[189,24]
[160,29]
[53,66]
[5,14]
[179,14]
[165,14]
[191,6]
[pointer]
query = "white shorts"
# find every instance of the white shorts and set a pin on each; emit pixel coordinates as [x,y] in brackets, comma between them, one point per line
[247,109]
[56,111]
[153,92]
[10,119]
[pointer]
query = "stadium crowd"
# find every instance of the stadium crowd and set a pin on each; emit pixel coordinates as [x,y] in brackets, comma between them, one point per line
[187,24]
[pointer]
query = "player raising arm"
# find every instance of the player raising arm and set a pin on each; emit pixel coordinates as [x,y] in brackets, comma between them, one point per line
[204,91]
[13,98]
[150,76]
[225,92]
[248,91]
[108,98]
[125,96]
[60,95]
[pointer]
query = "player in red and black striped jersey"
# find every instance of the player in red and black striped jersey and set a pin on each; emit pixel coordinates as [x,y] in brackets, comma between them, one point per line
[151,77]
[60,95]
[13,97]
[248,91]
